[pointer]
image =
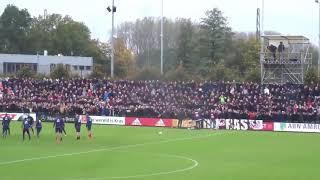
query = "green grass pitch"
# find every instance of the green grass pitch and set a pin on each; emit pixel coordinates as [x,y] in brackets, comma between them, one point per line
[143,153]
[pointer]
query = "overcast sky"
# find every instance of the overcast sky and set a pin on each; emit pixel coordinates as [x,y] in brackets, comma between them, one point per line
[294,17]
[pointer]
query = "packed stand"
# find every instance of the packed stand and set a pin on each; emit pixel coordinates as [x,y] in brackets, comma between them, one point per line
[281,103]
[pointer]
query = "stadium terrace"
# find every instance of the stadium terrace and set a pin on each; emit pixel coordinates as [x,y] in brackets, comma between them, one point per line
[229,100]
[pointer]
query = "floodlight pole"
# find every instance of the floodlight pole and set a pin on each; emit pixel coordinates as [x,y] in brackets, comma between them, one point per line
[262,41]
[262,18]
[161,37]
[318,68]
[112,41]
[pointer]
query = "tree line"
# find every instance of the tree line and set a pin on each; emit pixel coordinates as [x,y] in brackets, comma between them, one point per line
[204,50]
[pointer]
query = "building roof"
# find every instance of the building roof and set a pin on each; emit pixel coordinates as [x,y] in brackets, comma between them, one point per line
[303,39]
[46,60]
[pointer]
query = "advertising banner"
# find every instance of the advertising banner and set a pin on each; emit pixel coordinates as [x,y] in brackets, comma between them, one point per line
[297,127]
[17,116]
[105,120]
[53,118]
[268,126]
[209,124]
[153,122]
[244,124]
[187,123]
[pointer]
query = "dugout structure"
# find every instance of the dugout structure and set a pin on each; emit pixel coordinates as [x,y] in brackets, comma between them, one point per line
[284,65]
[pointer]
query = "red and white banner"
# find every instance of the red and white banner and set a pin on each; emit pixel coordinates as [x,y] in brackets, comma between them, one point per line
[17,116]
[244,124]
[106,120]
[268,126]
[154,122]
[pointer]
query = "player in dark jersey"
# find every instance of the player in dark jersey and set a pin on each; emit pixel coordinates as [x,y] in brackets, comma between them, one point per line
[89,126]
[38,127]
[180,115]
[31,123]
[9,121]
[9,126]
[77,125]
[58,129]
[63,126]
[25,128]
[5,125]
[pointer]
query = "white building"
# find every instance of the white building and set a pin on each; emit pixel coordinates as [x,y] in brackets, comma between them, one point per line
[42,64]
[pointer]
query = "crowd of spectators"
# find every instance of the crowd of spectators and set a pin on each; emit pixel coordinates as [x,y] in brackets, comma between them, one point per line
[289,102]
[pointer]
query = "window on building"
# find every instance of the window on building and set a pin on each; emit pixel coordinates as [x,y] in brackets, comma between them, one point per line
[10,68]
[81,68]
[88,68]
[18,67]
[52,67]
[35,67]
[15,67]
[67,66]
[75,68]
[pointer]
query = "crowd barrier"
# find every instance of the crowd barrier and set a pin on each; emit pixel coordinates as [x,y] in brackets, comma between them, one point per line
[219,124]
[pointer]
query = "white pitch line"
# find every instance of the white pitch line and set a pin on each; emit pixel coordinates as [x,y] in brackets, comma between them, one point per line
[106,149]
[194,165]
